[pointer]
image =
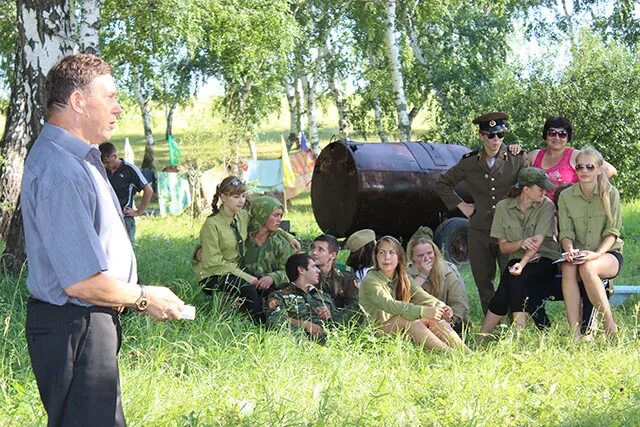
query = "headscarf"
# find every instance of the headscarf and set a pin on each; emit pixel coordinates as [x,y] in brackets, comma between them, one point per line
[260,210]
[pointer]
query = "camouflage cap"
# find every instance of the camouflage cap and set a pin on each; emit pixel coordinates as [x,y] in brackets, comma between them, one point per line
[492,122]
[422,232]
[534,176]
[260,209]
[360,238]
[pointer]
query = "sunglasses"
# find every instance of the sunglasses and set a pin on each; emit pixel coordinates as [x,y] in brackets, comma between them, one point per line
[492,135]
[588,166]
[559,134]
[233,183]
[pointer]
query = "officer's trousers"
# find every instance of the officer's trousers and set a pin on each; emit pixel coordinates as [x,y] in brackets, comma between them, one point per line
[484,254]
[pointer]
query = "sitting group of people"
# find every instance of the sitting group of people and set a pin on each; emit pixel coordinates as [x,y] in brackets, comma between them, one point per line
[246,253]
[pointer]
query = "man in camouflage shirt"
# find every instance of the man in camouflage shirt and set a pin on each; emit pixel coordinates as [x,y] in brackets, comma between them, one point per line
[340,285]
[300,304]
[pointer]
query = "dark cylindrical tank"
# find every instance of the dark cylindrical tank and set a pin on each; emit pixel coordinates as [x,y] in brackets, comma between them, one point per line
[387,187]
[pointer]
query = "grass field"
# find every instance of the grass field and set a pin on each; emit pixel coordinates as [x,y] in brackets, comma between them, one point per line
[220,370]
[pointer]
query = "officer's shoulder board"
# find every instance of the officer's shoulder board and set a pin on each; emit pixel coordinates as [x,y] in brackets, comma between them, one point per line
[471,153]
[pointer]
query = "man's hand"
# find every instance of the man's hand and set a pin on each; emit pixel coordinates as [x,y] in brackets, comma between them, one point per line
[163,304]
[131,212]
[324,313]
[467,209]
[516,269]
[264,282]
[515,149]
[314,330]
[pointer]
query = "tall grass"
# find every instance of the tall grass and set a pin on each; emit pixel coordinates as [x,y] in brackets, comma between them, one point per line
[222,370]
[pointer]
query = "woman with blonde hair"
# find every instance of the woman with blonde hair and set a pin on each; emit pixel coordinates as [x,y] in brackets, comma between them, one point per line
[438,277]
[590,221]
[396,304]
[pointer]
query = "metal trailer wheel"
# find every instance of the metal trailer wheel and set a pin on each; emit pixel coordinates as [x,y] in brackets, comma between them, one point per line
[451,238]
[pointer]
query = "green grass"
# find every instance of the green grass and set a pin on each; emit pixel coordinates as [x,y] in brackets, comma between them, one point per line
[222,370]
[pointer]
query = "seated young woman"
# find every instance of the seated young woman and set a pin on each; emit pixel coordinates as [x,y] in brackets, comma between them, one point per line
[439,278]
[218,262]
[590,220]
[524,224]
[396,304]
[267,249]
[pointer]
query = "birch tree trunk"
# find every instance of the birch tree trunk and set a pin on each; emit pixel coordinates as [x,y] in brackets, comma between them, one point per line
[309,84]
[170,114]
[89,26]
[294,130]
[377,110]
[336,90]
[393,54]
[44,37]
[150,144]
[299,107]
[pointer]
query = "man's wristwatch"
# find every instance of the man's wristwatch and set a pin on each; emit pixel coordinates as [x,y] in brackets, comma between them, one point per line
[143,302]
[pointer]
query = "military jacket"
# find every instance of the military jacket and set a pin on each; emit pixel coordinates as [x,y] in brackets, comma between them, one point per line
[486,185]
[585,221]
[343,288]
[377,298]
[452,289]
[292,302]
[511,224]
[268,259]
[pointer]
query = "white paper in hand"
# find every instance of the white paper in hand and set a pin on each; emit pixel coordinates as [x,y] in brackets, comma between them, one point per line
[188,313]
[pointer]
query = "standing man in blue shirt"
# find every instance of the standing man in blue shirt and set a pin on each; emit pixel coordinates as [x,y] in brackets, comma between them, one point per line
[82,269]
[126,180]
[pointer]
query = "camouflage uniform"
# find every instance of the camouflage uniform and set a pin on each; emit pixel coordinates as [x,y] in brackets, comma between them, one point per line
[343,288]
[270,258]
[292,302]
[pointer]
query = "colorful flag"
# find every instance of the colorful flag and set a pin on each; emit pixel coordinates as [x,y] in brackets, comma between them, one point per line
[175,155]
[303,142]
[288,177]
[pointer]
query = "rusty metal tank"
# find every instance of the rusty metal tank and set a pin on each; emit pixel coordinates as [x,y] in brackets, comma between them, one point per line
[387,187]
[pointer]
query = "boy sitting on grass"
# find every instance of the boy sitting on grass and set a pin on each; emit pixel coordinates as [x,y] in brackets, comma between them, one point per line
[300,304]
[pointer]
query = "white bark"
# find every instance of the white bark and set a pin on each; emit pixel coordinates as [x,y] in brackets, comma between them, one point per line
[336,90]
[393,54]
[89,26]
[143,103]
[379,126]
[44,37]
[309,84]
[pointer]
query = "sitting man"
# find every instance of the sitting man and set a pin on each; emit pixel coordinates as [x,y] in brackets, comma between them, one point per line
[342,286]
[126,180]
[300,304]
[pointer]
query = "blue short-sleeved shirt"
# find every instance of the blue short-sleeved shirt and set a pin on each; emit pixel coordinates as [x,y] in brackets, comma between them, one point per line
[72,220]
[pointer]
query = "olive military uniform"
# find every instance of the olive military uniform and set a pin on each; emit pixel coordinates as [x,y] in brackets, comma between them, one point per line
[343,288]
[292,302]
[269,258]
[487,185]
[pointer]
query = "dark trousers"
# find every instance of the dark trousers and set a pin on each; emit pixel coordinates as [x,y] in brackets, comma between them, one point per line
[74,356]
[251,297]
[484,254]
[526,292]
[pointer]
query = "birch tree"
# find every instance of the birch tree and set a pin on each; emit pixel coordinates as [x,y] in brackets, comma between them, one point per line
[44,37]
[393,53]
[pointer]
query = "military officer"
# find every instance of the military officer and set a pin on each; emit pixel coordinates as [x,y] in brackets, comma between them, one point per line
[488,173]
[300,304]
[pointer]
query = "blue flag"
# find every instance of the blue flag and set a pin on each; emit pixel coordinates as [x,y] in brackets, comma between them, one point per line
[303,142]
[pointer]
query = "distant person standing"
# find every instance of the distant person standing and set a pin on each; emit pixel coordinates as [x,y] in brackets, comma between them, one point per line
[126,180]
[82,269]
[488,173]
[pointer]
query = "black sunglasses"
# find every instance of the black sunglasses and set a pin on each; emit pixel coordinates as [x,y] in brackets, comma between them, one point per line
[560,134]
[588,166]
[492,135]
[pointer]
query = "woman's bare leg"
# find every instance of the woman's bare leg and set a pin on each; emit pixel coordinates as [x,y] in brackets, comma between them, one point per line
[571,297]
[591,273]
[418,331]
